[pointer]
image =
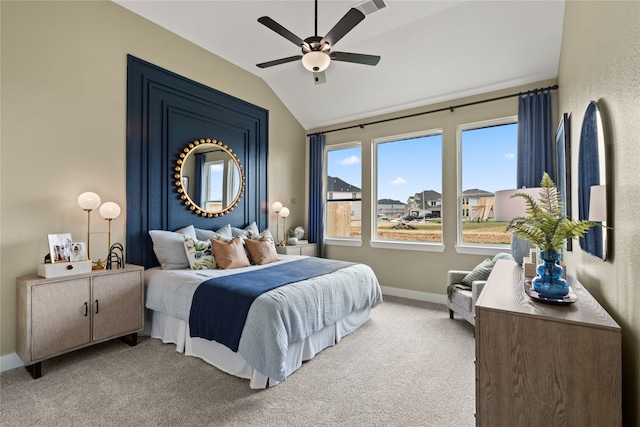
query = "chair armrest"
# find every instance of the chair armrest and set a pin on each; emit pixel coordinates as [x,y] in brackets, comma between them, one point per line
[476,287]
[456,276]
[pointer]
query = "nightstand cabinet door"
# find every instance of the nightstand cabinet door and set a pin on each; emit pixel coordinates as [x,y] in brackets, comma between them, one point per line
[60,317]
[116,304]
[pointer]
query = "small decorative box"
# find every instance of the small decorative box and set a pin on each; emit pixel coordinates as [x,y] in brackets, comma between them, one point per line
[58,269]
[529,267]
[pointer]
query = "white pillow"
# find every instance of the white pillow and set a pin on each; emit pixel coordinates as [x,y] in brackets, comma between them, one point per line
[199,254]
[189,230]
[251,228]
[169,247]
[208,234]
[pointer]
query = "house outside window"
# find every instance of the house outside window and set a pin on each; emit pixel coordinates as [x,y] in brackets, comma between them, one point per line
[407,181]
[343,186]
[487,163]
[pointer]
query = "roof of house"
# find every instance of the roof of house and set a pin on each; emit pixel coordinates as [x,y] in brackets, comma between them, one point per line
[428,195]
[476,192]
[390,202]
[336,184]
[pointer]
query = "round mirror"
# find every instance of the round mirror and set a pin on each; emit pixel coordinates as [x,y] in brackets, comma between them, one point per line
[209,178]
[592,194]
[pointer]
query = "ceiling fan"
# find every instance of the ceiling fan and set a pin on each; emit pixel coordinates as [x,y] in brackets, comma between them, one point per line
[316,51]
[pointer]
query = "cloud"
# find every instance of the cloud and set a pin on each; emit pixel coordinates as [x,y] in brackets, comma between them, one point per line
[399,181]
[510,156]
[353,160]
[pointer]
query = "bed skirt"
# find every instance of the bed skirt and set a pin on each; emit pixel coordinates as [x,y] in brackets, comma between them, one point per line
[171,330]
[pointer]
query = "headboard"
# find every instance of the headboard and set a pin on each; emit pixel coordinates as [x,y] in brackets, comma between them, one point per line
[165,112]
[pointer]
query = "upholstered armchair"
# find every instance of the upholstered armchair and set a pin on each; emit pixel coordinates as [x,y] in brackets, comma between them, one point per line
[462,301]
[464,288]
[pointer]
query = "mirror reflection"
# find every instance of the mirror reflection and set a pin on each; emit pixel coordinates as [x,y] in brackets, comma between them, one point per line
[592,197]
[209,178]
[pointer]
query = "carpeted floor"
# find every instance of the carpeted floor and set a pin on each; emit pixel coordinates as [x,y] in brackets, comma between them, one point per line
[410,365]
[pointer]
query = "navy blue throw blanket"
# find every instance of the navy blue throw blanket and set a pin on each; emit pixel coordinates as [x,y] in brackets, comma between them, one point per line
[220,305]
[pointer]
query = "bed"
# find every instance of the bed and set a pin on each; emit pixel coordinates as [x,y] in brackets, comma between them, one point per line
[283,327]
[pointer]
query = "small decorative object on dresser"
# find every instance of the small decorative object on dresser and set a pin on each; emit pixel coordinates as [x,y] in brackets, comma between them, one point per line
[547,228]
[65,257]
[59,247]
[59,315]
[292,239]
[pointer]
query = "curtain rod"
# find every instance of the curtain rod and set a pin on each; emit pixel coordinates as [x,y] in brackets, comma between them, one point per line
[450,108]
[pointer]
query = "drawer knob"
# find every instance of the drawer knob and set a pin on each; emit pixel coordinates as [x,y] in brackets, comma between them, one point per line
[69,267]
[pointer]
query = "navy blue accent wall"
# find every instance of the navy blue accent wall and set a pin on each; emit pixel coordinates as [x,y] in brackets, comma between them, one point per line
[165,112]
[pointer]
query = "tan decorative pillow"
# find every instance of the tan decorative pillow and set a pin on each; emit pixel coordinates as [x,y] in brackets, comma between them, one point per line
[229,254]
[261,251]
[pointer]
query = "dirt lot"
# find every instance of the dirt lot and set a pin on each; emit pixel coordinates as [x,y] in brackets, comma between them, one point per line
[487,232]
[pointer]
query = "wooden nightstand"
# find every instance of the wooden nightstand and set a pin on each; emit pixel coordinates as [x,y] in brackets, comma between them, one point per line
[305,248]
[61,314]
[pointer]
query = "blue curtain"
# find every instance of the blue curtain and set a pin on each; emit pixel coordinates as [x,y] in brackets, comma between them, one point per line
[535,138]
[198,180]
[315,233]
[588,175]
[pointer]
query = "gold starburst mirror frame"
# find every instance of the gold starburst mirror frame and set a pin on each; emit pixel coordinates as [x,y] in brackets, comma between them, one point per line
[209,178]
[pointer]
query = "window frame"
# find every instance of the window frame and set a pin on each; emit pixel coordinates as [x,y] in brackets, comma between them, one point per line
[468,248]
[412,245]
[333,240]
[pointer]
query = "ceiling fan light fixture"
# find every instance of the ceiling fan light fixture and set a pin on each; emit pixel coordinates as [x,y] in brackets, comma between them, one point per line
[316,61]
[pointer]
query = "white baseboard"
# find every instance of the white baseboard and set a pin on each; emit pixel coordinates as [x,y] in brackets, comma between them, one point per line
[417,295]
[10,361]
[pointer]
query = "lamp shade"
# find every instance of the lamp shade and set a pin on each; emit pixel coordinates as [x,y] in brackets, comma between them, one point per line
[109,210]
[284,212]
[316,61]
[89,201]
[276,206]
[598,203]
[507,207]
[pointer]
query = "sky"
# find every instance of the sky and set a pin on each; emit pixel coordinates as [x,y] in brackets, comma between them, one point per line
[411,166]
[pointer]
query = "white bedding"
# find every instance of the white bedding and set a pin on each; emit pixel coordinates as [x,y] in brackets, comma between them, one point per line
[279,319]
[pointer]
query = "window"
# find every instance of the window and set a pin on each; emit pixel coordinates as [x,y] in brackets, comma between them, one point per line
[221,182]
[343,186]
[408,188]
[488,156]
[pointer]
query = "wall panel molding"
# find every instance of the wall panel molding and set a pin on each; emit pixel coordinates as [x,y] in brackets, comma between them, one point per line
[165,112]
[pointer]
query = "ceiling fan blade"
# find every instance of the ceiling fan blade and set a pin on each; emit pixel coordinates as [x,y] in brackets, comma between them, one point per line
[319,78]
[346,24]
[358,58]
[273,25]
[279,61]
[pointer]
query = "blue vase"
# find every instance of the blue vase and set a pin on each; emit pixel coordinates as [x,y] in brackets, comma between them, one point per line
[549,282]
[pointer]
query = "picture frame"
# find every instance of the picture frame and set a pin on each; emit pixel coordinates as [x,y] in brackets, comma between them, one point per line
[77,251]
[563,167]
[59,247]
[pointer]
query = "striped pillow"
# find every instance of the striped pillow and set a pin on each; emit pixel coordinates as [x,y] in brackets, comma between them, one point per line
[480,272]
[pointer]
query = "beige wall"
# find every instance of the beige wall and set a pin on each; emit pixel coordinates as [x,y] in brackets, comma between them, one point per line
[64,70]
[423,272]
[600,60]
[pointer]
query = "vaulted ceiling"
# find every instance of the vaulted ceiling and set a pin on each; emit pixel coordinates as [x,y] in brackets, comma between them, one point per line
[431,51]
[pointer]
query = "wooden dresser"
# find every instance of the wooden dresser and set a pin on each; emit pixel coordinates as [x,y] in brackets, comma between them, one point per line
[541,364]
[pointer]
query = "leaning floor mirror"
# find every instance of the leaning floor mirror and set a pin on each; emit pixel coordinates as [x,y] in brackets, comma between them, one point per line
[592,185]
